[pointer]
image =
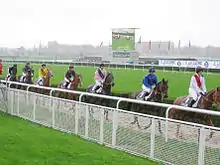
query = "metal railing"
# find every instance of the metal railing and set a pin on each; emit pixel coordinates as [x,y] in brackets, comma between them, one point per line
[87,120]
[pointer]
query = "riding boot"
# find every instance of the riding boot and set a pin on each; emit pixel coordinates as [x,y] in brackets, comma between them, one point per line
[99,90]
[191,103]
[142,95]
[66,85]
[94,89]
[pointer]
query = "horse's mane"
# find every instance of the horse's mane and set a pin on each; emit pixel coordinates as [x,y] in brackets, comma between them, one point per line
[210,92]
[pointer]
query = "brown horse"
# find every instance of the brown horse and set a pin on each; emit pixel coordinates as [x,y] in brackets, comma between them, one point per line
[205,102]
[159,93]
[73,86]
[46,82]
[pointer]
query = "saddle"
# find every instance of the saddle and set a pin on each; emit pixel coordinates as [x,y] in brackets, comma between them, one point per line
[188,100]
[63,85]
[143,95]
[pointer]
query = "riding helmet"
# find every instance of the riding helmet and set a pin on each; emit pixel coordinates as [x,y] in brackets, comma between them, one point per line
[43,64]
[102,65]
[15,65]
[199,69]
[71,66]
[152,69]
[28,63]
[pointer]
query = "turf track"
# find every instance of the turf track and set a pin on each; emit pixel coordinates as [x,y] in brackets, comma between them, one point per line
[24,143]
[130,80]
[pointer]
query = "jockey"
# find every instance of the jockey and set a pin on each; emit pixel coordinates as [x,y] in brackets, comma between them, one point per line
[25,69]
[42,74]
[148,83]
[100,75]
[69,76]
[12,71]
[196,83]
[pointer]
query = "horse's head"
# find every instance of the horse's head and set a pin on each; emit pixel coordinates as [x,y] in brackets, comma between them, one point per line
[216,97]
[29,76]
[49,73]
[161,90]
[109,80]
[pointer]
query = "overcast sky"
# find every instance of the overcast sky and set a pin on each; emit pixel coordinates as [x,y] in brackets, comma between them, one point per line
[26,22]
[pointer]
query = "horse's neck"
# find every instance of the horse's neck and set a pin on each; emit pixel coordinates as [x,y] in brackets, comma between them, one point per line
[73,86]
[155,96]
[207,100]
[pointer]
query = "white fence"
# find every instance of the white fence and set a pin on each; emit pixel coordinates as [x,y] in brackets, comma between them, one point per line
[88,121]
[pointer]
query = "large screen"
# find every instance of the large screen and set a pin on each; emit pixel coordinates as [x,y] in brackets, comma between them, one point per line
[123,39]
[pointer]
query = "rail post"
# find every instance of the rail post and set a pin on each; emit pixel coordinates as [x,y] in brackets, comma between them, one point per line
[52,106]
[201,155]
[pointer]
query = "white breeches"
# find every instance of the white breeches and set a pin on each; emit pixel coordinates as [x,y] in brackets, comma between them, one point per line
[66,80]
[146,89]
[193,94]
[40,81]
[98,83]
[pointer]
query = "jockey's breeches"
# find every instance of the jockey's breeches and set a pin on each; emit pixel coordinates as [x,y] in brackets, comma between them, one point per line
[66,80]
[98,83]
[146,89]
[193,94]
[40,79]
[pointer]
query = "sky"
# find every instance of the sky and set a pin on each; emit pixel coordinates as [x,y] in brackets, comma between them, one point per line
[29,22]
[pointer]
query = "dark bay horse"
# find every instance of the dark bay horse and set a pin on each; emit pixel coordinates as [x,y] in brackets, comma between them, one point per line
[205,102]
[159,93]
[73,86]
[27,79]
[11,78]
[106,90]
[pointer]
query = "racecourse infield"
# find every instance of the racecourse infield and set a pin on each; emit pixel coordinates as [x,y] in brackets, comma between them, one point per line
[128,80]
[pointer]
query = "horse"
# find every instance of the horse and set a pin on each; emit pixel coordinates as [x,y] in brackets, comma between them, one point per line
[46,81]
[158,94]
[12,77]
[205,102]
[72,86]
[106,90]
[27,79]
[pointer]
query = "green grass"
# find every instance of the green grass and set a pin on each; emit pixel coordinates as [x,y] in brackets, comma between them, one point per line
[130,80]
[24,143]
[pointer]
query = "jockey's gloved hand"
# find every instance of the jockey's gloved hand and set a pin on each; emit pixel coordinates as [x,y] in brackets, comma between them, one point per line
[113,84]
[202,93]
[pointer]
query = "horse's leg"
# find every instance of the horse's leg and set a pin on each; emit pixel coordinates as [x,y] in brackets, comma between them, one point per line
[211,124]
[159,126]
[178,116]
[138,123]
[178,130]
[146,127]
[106,114]
[135,120]
[131,107]
[160,113]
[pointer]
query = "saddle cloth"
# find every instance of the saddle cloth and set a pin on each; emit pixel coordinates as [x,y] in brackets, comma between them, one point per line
[188,99]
